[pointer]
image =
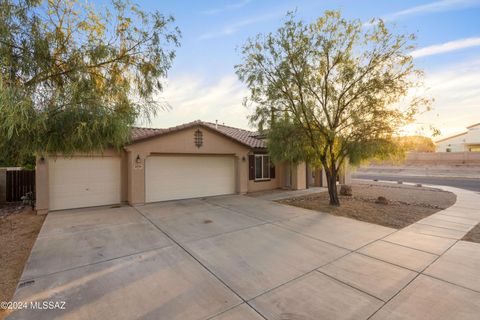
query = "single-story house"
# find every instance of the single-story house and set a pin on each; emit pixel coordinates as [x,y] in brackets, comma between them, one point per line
[468,141]
[195,159]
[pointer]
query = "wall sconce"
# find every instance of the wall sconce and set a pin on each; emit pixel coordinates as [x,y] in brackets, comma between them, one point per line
[138,160]
[243,158]
[42,159]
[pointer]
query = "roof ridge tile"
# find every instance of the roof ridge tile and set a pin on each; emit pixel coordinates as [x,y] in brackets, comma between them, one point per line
[242,136]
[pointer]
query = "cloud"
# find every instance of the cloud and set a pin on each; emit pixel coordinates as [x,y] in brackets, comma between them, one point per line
[456,90]
[437,6]
[232,28]
[234,6]
[446,47]
[194,98]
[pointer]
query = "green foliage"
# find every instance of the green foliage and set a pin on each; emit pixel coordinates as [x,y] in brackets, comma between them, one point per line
[331,90]
[294,147]
[74,77]
[9,158]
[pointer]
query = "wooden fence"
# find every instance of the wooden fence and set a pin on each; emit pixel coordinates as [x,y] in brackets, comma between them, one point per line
[19,183]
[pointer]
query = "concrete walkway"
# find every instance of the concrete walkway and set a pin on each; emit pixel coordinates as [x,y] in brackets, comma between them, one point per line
[447,283]
[237,257]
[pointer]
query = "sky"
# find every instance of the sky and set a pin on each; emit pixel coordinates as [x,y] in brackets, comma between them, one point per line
[202,83]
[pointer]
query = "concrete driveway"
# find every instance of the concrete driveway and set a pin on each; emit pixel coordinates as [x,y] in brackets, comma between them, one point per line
[237,257]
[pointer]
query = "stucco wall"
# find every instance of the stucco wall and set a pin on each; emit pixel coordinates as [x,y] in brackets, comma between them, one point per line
[175,143]
[277,182]
[182,142]
[299,176]
[443,158]
[41,186]
[299,179]
[456,144]
[460,143]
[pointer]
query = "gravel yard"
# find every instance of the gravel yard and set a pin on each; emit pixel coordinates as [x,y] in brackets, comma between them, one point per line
[19,228]
[406,204]
[473,235]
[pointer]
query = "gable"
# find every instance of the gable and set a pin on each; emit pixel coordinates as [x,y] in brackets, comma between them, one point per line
[183,141]
[452,139]
[242,136]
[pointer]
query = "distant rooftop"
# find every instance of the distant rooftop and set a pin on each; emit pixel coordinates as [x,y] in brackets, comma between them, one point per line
[473,125]
[459,134]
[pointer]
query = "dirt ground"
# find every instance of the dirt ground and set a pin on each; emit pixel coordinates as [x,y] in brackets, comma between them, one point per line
[473,235]
[406,204]
[18,230]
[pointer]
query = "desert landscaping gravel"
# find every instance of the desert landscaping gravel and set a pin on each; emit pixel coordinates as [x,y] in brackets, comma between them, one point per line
[19,227]
[406,204]
[473,235]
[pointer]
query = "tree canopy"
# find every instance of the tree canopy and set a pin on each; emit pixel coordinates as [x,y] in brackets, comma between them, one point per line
[416,144]
[74,77]
[331,91]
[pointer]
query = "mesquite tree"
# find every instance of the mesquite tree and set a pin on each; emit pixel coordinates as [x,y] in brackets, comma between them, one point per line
[74,77]
[330,91]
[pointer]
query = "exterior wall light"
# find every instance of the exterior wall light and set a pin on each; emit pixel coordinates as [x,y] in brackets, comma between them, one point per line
[138,160]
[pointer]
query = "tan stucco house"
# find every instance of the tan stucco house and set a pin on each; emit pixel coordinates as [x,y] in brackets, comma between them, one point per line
[468,141]
[196,159]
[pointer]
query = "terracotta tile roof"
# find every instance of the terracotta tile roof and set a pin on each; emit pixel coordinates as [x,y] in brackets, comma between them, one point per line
[142,133]
[245,137]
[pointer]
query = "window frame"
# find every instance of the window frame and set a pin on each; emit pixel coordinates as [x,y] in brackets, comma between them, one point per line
[262,167]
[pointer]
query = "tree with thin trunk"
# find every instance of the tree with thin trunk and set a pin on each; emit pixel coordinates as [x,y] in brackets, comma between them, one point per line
[331,92]
[75,78]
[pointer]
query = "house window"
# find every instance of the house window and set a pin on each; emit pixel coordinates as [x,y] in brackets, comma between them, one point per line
[262,167]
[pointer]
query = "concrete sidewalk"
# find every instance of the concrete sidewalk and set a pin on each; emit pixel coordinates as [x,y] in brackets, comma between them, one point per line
[420,272]
[447,285]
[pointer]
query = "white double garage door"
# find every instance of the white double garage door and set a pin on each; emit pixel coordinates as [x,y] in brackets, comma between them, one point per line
[95,181]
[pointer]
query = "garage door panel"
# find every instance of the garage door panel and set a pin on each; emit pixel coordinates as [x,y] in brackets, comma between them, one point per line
[182,177]
[84,182]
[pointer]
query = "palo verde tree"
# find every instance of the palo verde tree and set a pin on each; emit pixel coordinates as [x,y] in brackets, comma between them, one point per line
[330,91]
[74,77]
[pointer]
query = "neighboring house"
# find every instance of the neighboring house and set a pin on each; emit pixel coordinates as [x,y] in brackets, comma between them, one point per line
[196,159]
[468,141]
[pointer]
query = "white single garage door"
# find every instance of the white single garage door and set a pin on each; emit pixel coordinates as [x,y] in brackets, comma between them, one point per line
[183,177]
[84,182]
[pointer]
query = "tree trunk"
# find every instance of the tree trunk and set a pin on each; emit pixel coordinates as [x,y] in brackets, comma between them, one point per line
[331,174]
